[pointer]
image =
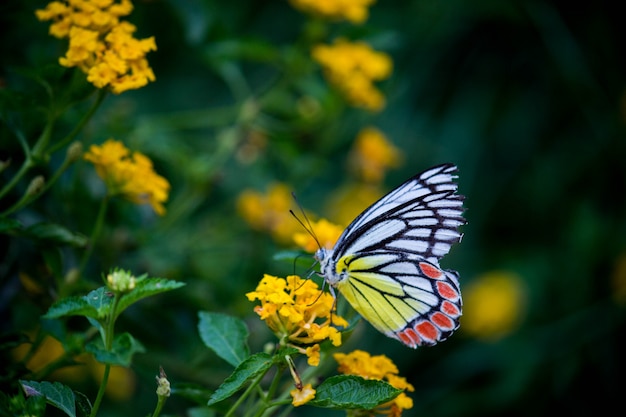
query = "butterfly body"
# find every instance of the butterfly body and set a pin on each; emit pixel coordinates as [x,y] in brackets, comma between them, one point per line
[386,262]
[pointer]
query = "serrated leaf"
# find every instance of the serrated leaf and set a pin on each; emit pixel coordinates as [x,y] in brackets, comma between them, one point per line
[57,234]
[121,353]
[56,394]
[350,392]
[250,368]
[83,405]
[96,305]
[146,287]
[225,335]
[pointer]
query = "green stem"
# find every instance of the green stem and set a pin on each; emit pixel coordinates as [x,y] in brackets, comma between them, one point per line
[26,165]
[66,140]
[94,234]
[29,198]
[243,396]
[159,406]
[103,385]
[108,344]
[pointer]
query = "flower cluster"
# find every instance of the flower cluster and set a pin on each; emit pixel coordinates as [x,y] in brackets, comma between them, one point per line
[100,43]
[269,212]
[381,368]
[353,67]
[354,11]
[326,234]
[373,154]
[130,175]
[292,309]
[492,305]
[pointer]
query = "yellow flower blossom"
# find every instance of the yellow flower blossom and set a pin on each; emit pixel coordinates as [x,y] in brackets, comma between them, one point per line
[352,67]
[618,280]
[269,212]
[129,175]
[373,154]
[349,200]
[326,234]
[100,43]
[298,312]
[492,305]
[122,381]
[302,396]
[354,11]
[381,368]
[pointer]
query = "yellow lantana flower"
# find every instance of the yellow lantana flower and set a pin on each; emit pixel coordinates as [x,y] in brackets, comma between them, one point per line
[298,312]
[379,367]
[352,67]
[354,11]
[326,233]
[269,212]
[492,305]
[130,175]
[100,43]
[302,396]
[373,154]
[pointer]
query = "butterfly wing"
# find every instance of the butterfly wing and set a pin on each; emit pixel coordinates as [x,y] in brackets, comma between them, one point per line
[386,263]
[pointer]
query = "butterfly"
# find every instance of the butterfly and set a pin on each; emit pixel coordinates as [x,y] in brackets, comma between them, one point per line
[386,262]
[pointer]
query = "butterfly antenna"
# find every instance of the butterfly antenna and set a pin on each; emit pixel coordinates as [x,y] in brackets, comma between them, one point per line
[306,224]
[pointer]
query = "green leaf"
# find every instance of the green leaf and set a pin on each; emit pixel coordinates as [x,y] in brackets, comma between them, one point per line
[96,305]
[349,391]
[255,365]
[294,258]
[225,335]
[146,287]
[57,234]
[83,405]
[56,394]
[8,225]
[193,392]
[121,353]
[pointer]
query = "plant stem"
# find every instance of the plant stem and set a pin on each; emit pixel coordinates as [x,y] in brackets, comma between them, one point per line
[66,140]
[103,385]
[243,396]
[159,406]
[94,234]
[108,344]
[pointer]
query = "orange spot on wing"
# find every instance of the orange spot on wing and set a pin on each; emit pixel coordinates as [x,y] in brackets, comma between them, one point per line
[409,337]
[450,309]
[430,271]
[444,322]
[427,330]
[446,291]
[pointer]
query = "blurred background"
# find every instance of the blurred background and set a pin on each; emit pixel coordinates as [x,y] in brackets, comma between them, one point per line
[527,98]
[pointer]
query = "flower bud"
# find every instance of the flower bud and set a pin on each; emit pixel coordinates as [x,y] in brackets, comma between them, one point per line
[121,281]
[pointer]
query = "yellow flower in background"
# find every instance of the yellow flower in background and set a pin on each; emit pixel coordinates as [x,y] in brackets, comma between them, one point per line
[100,43]
[381,368]
[353,10]
[298,312]
[493,305]
[373,154]
[269,212]
[618,280]
[353,67]
[349,200]
[122,381]
[326,233]
[130,175]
